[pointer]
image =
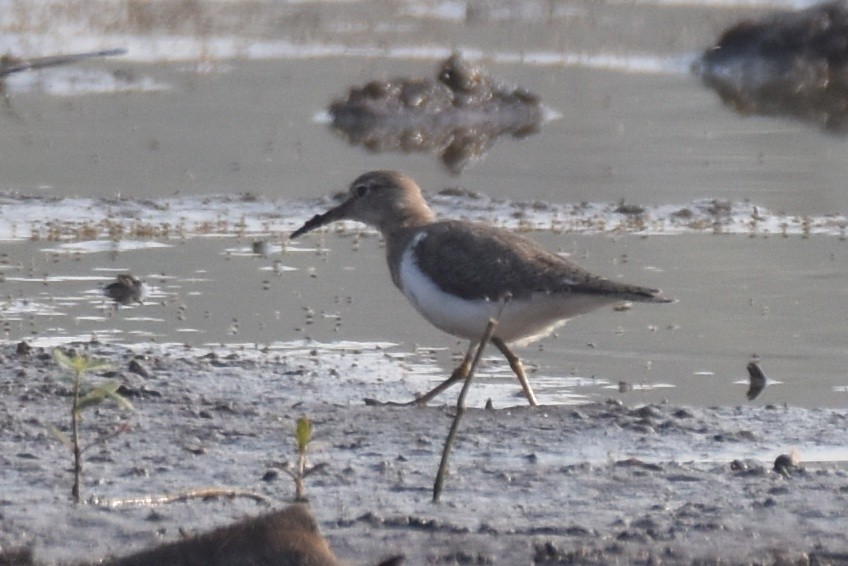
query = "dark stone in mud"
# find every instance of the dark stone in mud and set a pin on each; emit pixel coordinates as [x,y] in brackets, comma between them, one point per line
[787,64]
[140,392]
[549,553]
[270,475]
[735,436]
[636,463]
[786,465]
[459,114]
[747,467]
[136,367]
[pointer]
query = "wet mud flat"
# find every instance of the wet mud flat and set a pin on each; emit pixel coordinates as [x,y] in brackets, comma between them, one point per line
[598,483]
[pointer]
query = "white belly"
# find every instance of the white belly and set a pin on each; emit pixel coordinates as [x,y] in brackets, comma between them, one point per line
[522,320]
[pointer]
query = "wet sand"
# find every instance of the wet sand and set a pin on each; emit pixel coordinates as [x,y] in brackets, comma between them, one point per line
[599,483]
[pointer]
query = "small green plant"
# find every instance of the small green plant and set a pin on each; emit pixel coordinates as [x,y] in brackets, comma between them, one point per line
[302,437]
[85,395]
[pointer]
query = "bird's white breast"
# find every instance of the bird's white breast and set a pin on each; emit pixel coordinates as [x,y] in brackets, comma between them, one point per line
[522,320]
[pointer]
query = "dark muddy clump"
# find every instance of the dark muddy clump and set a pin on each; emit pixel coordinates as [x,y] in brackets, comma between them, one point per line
[787,64]
[289,536]
[459,114]
[125,290]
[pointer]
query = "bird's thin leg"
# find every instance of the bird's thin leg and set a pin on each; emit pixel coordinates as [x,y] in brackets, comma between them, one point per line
[460,373]
[517,368]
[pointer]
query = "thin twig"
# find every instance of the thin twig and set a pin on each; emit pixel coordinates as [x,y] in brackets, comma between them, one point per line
[75,439]
[42,62]
[460,402]
[199,493]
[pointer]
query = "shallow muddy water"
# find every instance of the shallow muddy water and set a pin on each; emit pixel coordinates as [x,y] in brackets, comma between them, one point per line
[688,352]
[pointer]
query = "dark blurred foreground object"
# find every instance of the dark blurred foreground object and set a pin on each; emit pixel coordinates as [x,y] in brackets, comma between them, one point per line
[288,537]
[756,380]
[459,114]
[16,557]
[9,64]
[787,64]
[125,290]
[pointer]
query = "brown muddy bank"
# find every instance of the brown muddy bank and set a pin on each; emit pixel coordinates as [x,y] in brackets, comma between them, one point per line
[599,483]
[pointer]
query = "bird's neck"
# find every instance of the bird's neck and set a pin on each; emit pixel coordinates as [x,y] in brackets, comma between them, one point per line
[414,215]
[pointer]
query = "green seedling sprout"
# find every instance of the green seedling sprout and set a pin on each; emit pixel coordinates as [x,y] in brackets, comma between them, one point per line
[85,395]
[303,437]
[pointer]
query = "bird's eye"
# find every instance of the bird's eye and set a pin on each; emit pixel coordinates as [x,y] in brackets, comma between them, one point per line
[360,190]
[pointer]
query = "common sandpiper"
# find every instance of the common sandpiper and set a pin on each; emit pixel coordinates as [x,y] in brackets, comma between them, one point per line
[459,275]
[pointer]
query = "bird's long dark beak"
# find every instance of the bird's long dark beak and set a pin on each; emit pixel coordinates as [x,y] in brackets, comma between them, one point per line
[337,213]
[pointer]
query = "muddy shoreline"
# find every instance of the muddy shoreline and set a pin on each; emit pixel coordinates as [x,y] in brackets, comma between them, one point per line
[598,483]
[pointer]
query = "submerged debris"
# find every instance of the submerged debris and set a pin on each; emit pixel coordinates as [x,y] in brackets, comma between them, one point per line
[787,64]
[757,380]
[459,114]
[126,290]
[261,248]
[9,64]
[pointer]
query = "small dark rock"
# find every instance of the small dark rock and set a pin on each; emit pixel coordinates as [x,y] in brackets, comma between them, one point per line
[396,560]
[136,367]
[636,463]
[646,412]
[683,478]
[261,248]
[785,464]
[155,516]
[756,380]
[125,290]
[747,467]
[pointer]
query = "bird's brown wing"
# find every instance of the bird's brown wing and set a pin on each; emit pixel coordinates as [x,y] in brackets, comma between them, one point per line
[476,261]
